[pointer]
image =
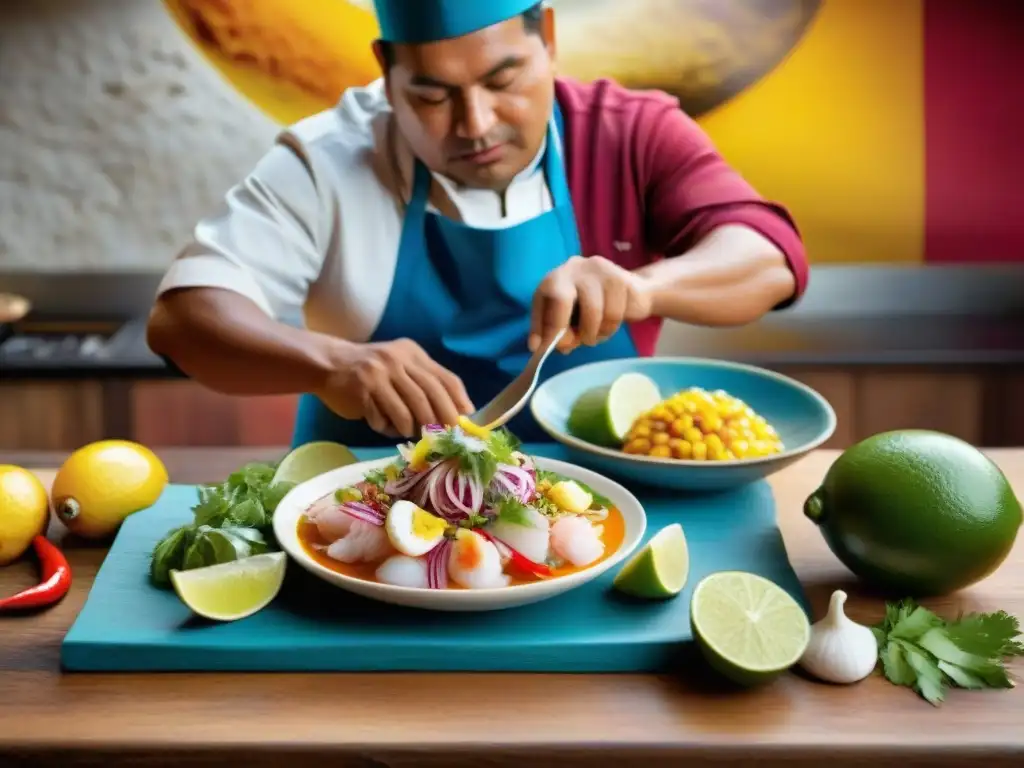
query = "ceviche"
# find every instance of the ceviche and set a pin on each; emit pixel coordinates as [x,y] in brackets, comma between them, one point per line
[462,508]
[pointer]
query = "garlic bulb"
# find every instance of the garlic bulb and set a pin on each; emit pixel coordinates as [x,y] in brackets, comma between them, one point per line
[840,650]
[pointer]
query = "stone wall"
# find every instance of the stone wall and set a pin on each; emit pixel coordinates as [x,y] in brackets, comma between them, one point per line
[114,136]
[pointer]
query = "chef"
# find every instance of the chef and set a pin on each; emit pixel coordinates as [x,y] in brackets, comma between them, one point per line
[438,225]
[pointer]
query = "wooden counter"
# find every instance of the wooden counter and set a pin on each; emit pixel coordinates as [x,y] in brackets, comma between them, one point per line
[520,721]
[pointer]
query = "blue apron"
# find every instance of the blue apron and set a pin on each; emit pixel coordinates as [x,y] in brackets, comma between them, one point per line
[465,296]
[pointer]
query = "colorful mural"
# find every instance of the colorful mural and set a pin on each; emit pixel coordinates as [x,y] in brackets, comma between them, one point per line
[887,127]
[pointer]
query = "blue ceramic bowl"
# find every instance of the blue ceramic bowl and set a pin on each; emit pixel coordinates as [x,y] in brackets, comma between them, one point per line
[802,417]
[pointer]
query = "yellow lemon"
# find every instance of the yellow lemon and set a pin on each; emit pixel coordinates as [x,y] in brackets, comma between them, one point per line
[104,482]
[24,511]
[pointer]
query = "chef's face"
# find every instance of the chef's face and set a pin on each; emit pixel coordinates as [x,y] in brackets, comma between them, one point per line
[475,108]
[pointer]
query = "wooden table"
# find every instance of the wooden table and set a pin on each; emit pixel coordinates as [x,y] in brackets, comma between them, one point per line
[492,719]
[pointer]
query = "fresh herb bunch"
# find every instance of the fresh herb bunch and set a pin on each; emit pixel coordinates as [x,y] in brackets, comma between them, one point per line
[499,448]
[922,651]
[231,521]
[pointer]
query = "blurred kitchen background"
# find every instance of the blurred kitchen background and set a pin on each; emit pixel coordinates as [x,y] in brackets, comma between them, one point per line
[893,129]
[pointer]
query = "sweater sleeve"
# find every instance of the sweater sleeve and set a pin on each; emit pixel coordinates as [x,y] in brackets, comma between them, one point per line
[690,190]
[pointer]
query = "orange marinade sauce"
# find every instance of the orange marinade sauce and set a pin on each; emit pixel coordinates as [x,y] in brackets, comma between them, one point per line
[613,535]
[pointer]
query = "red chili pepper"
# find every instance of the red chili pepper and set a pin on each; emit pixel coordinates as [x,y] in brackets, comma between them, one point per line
[56,579]
[519,560]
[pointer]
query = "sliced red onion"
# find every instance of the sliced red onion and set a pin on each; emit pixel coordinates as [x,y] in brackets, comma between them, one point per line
[363,512]
[450,494]
[514,481]
[437,565]
[406,483]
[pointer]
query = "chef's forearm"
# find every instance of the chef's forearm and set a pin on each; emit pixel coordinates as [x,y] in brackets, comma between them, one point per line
[731,277]
[228,344]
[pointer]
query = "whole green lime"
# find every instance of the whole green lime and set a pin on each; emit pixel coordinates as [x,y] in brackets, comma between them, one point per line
[916,512]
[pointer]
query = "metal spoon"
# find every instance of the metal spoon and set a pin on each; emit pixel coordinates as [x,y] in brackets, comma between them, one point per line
[512,399]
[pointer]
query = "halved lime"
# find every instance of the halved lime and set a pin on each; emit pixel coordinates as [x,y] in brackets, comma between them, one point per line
[658,570]
[603,415]
[748,628]
[233,590]
[312,459]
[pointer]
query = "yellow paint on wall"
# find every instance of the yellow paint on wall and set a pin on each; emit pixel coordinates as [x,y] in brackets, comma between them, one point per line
[836,132]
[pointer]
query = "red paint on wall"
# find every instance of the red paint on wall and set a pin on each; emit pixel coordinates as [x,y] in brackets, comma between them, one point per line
[974,131]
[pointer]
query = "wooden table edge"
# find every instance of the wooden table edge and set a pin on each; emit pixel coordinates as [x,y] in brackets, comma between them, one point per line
[697,747]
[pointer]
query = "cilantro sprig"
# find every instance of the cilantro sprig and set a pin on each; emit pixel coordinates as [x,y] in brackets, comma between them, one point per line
[231,520]
[481,462]
[922,651]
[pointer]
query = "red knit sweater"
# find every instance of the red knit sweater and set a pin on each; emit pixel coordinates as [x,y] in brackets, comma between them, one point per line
[647,182]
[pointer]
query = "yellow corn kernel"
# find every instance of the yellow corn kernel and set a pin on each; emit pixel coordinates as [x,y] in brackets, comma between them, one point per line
[740,448]
[639,446]
[676,408]
[678,427]
[659,426]
[660,452]
[713,442]
[642,429]
[661,438]
[661,413]
[712,422]
[717,454]
[693,435]
[680,449]
[700,452]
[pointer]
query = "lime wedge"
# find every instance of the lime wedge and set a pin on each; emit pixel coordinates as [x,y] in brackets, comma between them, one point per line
[311,460]
[748,628]
[233,590]
[658,570]
[604,415]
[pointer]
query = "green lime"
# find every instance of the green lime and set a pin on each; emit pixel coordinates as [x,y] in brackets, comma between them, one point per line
[748,628]
[233,590]
[658,570]
[604,415]
[311,460]
[917,513]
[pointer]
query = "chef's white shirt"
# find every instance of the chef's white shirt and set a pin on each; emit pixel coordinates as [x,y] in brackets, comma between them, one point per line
[314,229]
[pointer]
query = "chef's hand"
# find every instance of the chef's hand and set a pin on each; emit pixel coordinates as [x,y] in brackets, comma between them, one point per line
[606,296]
[395,387]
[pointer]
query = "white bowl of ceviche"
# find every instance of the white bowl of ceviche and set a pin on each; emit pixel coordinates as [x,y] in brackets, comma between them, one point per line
[461,520]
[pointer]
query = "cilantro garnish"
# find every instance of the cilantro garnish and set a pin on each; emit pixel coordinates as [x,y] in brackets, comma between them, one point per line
[377,477]
[479,459]
[922,651]
[512,511]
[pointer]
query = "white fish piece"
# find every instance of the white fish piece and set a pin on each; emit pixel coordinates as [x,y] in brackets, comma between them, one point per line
[573,538]
[403,571]
[474,562]
[329,519]
[364,543]
[529,536]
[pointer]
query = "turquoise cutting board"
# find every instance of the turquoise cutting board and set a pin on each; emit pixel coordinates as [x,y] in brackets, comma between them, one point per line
[128,625]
